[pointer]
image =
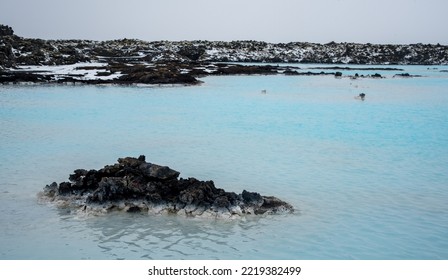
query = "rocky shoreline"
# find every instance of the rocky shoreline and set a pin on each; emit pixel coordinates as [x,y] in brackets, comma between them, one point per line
[130,61]
[134,185]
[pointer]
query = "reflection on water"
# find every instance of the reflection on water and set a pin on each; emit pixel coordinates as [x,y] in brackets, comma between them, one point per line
[142,236]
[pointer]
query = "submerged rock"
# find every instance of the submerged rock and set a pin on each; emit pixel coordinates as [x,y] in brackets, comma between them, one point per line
[134,185]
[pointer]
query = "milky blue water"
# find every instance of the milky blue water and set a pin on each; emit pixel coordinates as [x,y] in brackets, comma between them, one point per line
[368,178]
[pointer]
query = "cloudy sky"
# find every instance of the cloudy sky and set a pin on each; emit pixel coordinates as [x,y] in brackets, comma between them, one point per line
[320,21]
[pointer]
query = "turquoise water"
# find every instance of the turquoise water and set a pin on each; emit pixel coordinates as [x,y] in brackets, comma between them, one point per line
[368,178]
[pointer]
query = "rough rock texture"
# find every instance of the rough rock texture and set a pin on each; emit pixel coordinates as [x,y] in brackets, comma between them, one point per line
[57,52]
[165,62]
[6,30]
[134,185]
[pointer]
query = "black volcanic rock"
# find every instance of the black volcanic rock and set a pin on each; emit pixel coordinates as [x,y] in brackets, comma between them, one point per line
[235,69]
[50,52]
[192,52]
[6,30]
[22,76]
[159,75]
[7,57]
[164,62]
[134,185]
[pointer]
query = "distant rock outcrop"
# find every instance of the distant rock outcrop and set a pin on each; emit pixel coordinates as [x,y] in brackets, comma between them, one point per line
[143,62]
[134,185]
[192,52]
[6,54]
[6,30]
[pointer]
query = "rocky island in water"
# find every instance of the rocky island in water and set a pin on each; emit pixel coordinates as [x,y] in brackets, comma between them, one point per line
[134,185]
[130,61]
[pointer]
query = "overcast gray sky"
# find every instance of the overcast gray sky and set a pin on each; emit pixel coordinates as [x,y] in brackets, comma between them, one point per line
[320,21]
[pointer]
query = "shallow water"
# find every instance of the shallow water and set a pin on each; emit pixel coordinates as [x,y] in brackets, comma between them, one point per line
[368,178]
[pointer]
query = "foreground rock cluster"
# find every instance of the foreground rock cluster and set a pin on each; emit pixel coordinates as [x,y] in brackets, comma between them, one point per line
[134,185]
[130,61]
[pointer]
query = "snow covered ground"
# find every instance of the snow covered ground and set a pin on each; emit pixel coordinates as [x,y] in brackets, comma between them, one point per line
[83,71]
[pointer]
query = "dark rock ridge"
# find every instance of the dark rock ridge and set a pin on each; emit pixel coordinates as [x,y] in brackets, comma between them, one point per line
[129,61]
[134,185]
